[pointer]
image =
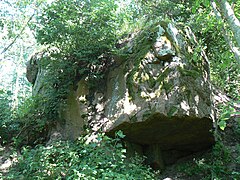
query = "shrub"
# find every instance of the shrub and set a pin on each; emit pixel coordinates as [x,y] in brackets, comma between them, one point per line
[213,165]
[104,158]
[5,115]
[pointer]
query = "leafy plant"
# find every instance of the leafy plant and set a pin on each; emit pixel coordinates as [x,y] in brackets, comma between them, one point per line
[31,122]
[80,33]
[213,165]
[5,115]
[82,30]
[101,158]
[226,111]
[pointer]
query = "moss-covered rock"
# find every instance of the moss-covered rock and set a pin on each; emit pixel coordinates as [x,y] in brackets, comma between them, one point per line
[163,97]
[157,91]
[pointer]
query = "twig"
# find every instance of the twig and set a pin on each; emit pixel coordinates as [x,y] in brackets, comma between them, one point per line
[14,40]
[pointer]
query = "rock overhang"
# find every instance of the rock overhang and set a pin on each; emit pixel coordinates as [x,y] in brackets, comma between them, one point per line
[179,133]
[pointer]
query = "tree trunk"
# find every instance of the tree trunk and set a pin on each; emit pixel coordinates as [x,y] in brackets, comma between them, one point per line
[227,38]
[229,16]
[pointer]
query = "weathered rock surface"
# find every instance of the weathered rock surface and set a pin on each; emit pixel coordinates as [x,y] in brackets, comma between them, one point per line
[32,68]
[161,97]
[158,93]
[73,112]
[35,73]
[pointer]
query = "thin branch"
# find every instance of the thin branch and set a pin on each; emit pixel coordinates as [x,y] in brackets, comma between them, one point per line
[24,27]
[14,40]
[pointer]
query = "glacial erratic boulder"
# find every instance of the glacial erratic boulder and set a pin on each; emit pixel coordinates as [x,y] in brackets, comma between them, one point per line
[158,93]
[161,96]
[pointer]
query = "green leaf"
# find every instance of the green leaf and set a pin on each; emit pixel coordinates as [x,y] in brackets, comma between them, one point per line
[196,6]
[206,3]
[222,125]
[120,134]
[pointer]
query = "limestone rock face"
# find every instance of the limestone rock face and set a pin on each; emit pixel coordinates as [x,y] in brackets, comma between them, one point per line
[69,124]
[161,96]
[158,93]
[73,112]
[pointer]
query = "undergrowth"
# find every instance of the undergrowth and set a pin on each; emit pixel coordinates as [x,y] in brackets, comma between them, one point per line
[215,165]
[101,158]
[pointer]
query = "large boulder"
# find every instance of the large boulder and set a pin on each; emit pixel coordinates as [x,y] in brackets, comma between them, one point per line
[158,92]
[161,96]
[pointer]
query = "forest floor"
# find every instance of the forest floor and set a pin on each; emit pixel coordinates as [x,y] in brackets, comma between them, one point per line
[230,139]
[7,158]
